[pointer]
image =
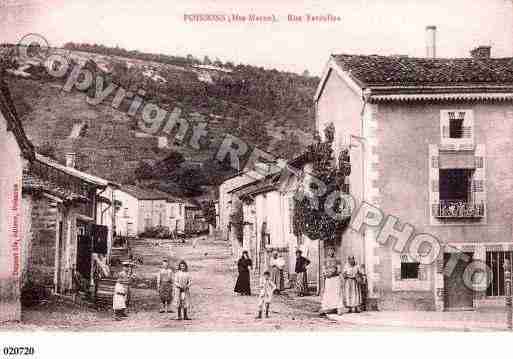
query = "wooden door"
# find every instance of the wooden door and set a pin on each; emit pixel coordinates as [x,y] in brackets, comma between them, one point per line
[457,295]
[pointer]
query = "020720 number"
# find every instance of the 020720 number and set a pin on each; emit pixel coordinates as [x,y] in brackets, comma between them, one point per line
[18,350]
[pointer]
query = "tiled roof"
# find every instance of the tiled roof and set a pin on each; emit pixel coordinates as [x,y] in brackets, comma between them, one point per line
[148,194]
[74,172]
[263,185]
[373,70]
[31,182]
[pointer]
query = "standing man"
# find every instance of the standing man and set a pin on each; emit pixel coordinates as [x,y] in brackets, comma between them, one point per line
[301,277]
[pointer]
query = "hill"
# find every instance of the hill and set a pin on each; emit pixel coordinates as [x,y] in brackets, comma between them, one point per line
[269,109]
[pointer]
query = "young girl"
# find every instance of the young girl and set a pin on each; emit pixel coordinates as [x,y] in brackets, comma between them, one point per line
[120,294]
[267,288]
[182,290]
[165,286]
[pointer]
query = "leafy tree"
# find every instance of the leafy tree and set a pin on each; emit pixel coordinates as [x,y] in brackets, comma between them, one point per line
[144,171]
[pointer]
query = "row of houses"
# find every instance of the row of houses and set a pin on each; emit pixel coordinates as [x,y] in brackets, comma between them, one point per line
[429,142]
[58,224]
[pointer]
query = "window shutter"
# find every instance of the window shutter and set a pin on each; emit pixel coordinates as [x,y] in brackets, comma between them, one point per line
[478,161]
[445,131]
[434,162]
[477,185]
[435,185]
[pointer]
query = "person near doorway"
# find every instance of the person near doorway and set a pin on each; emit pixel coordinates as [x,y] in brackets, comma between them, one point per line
[267,288]
[332,293]
[243,284]
[182,282]
[165,286]
[352,291]
[301,274]
[277,264]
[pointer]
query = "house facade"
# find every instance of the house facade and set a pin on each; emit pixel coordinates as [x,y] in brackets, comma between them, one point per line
[428,142]
[69,216]
[144,209]
[16,151]
[267,224]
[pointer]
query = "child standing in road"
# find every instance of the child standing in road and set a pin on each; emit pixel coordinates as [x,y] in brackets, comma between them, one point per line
[182,290]
[267,288]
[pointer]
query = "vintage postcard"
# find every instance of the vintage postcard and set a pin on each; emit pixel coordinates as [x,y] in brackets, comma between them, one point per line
[264,166]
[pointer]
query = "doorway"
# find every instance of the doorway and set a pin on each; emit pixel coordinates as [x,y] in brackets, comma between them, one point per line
[84,250]
[457,295]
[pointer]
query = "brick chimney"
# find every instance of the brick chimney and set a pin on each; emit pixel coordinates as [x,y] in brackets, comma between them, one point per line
[431,41]
[71,159]
[481,52]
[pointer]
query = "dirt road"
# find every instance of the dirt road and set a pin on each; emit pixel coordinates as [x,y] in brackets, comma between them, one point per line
[215,307]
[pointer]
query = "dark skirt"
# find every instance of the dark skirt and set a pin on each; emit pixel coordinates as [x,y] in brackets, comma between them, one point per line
[243,285]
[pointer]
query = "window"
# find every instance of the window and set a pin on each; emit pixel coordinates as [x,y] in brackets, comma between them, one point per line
[125,212]
[457,128]
[495,261]
[455,184]
[409,270]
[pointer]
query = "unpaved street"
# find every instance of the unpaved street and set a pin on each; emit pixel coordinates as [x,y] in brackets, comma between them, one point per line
[214,305]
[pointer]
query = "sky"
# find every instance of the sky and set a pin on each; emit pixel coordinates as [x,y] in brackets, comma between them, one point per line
[366,27]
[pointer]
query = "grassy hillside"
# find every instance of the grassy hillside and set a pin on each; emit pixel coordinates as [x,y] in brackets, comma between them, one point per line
[266,108]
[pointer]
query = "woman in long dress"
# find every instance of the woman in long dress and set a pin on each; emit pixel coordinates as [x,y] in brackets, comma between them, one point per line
[182,293]
[165,286]
[277,263]
[244,264]
[301,277]
[352,292]
[332,294]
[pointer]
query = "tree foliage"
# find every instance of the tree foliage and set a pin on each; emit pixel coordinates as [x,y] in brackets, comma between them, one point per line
[319,212]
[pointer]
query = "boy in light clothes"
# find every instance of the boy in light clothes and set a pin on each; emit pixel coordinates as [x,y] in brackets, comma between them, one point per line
[267,288]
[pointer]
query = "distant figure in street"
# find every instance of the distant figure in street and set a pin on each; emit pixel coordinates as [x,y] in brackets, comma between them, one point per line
[301,277]
[119,298]
[265,296]
[165,286]
[352,292]
[182,290]
[244,264]
[332,294]
[277,263]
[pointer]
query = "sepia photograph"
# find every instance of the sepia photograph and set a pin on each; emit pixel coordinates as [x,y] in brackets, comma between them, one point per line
[335,167]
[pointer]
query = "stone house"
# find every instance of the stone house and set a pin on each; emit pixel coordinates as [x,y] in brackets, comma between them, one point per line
[428,139]
[143,209]
[16,151]
[69,217]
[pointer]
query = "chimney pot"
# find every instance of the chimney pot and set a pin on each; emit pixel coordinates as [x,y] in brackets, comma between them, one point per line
[481,52]
[431,41]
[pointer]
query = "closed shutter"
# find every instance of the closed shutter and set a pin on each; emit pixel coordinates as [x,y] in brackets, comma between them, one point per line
[478,186]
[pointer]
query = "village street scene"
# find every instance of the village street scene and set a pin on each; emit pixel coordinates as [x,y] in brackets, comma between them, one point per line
[154,188]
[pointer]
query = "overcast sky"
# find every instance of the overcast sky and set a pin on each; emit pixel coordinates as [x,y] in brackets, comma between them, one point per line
[367,26]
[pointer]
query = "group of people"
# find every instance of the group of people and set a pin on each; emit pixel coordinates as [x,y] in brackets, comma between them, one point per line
[343,287]
[272,281]
[172,287]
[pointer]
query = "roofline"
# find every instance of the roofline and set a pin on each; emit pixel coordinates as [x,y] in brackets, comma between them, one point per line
[145,198]
[351,81]
[441,97]
[86,177]
[13,122]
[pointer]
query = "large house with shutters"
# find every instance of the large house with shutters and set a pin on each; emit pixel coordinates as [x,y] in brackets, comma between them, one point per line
[429,142]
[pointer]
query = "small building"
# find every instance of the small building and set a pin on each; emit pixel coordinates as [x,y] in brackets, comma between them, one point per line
[16,151]
[144,209]
[195,222]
